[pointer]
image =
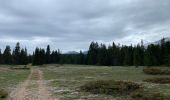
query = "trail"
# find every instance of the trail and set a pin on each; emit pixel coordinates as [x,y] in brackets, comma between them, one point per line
[33,88]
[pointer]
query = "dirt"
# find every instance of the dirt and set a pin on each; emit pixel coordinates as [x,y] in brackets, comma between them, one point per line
[33,88]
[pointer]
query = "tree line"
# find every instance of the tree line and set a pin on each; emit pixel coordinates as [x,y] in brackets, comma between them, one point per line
[98,54]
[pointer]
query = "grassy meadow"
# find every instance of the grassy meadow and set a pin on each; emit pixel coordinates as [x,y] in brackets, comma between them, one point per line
[64,81]
[10,78]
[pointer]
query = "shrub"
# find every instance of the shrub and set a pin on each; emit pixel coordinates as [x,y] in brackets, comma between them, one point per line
[20,68]
[157,71]
[3,94]
[144,95]
[110,87]
[160,80]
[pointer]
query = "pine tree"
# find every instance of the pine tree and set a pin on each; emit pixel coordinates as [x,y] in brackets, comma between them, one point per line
[147,57]
[7,55]
[48,52]
[102,55]
[136,56]
[24,57]
[92,53]
[36,58]
[16,54]
[1,59]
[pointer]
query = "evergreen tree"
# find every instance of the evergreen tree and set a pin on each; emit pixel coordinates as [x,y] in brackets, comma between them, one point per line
[1,58]
[7,57]
[39,57]
[136,56]
[24,57]
[55,56]
[92,53]
[16,54]
[81,58]
[48,52]
[147,57]
[102,55]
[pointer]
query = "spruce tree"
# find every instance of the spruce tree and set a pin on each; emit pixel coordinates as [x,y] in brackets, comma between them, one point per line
[92,53]
[136,56]
[16,54]
[1,59]
[48,52]
[24,57]
[7,57]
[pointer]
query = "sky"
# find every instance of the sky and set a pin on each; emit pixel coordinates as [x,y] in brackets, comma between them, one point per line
[71,25]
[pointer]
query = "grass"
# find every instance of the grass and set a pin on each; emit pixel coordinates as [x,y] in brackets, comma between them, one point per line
[3,94]
[157,71]
[162,80]
[67,79]
[110,87]
[9,78]
[145,95]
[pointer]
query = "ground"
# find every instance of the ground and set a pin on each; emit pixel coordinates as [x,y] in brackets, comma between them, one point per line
[56,82]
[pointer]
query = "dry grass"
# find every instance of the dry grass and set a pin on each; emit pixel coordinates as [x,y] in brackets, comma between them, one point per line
[4,69]
[145,95]
[160,80]
[110,87]
[157,71]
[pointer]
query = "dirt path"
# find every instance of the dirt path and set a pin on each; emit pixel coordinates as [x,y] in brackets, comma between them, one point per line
[33,88]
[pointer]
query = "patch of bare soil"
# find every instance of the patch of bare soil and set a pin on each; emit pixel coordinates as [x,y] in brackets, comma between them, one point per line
[33,88]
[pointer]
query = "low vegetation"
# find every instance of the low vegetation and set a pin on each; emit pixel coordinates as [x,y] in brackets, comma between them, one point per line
[160,80]
[132,90]
[110,87]
[157,71]
[144,95]
[3,94]
[66,81]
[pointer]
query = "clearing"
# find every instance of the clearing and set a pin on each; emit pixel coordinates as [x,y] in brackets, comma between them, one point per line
[62,82]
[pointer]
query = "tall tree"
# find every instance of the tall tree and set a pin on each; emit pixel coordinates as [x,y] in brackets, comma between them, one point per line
[92,53]
[7,55]
[48,52]
[39,56]
[82,57]
[102,55]
[1,58]
[16,54]
[136,56]
[24,57]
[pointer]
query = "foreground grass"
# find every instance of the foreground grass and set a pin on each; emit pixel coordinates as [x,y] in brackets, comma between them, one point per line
[10,78]
[67,79]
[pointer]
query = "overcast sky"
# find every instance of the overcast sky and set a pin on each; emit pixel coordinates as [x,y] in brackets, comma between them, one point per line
[73,24]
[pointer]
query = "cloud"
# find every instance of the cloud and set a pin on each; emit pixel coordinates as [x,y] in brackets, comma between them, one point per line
[72,25]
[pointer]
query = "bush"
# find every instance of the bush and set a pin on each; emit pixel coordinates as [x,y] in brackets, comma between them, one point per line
[160,80]
[3,94]
[157,71]
[20,68]
[110,87]
[143,95]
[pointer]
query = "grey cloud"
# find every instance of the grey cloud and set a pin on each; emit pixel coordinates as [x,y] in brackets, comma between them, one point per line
[74,24]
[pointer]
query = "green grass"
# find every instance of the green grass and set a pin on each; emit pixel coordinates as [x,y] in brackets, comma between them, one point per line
[67,79]
[10,78]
